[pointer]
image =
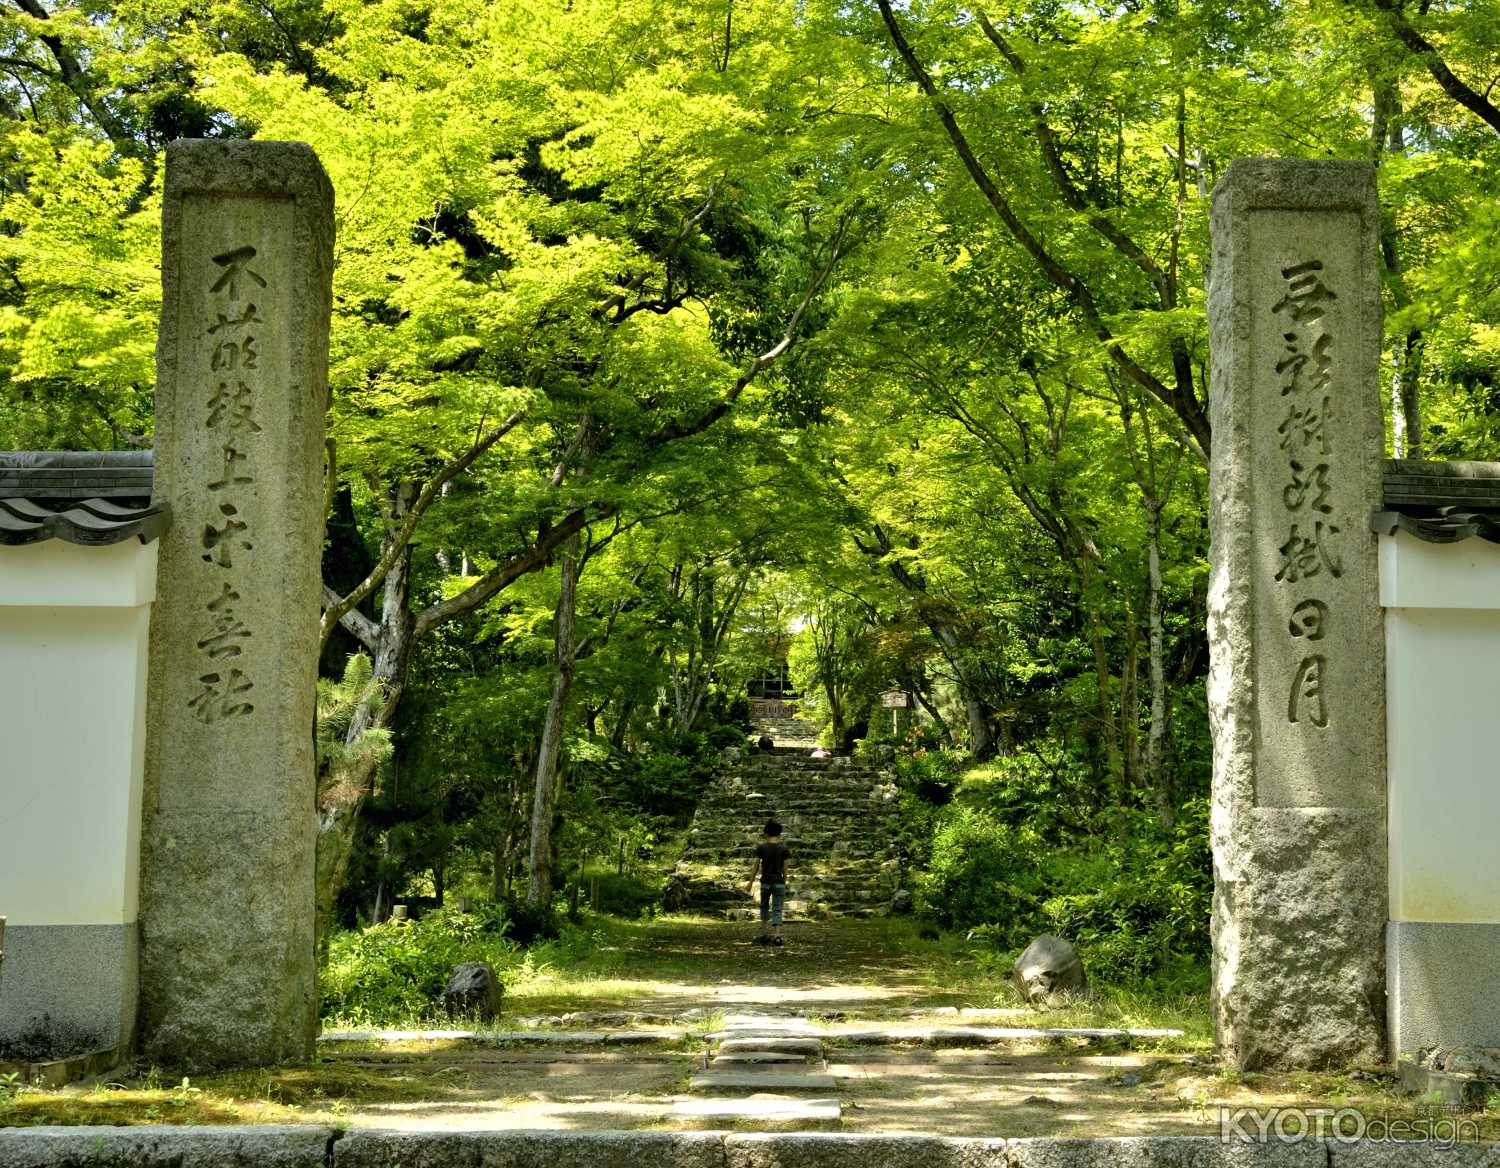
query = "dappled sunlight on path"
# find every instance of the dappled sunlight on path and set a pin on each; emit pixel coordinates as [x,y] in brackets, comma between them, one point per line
[681,963]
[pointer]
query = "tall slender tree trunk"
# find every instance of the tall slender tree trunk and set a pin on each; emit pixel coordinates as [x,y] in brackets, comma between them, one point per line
[1109,729]
[1156,771]
[539,889]
[1388,136]
[981,740]
[1129,712]
[338,811]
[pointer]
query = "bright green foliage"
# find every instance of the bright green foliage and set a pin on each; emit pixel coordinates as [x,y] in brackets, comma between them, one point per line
[809,369]
[393,972]
[78,351]
[1015,855]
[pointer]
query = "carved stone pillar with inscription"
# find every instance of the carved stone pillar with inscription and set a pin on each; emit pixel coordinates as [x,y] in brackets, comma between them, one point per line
[228,974]
[1296,679]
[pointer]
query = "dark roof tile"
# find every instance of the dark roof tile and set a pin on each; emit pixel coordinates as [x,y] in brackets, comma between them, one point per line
[1440,502]
[86,498]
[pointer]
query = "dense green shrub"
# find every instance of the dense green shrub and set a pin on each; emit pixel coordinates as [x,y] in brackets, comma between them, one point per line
[627,895]
[1015,856]
[394,971]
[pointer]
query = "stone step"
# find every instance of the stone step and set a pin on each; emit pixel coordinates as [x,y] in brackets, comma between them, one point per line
[769,1080]
[779,1111]
[758,1057]
[768,1043]
[836,818]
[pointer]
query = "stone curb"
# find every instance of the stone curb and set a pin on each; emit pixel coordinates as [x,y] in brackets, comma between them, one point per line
[528,1149]
[324,1147]
[60,1072]
[270,1146]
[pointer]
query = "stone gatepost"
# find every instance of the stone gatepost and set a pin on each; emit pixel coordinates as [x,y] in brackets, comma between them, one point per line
[228,974]
[1296,678]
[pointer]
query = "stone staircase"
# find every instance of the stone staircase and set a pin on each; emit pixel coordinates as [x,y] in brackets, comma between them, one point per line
[837,819]
[787,732]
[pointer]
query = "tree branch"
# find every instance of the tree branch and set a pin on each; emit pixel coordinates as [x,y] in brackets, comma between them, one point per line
[1451,83]
[366,631]
[678,430]
[618,301]
[336,610]
[507,573]
[76,78]
[1071,196]
[1189,409]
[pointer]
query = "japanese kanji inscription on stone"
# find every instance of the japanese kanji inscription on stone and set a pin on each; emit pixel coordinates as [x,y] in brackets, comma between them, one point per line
[227,874]
[1296,678]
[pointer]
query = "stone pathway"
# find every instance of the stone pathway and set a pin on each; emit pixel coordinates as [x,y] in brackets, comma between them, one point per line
[767,1070]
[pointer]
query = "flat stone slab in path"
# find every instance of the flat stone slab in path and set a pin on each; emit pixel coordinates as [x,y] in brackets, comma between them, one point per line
[767,1109]
[982,1034]
[760,1081]
[760,1056]
[769,1022]
[555,1037]
[771,1044]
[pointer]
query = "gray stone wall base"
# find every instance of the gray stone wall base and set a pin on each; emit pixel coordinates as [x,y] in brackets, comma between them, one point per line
[166,1147]
[1443,980]
[321,1147]
[78,981]
[528,1149]
[1299,978]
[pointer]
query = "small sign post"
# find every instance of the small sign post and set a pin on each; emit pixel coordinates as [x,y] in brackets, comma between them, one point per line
[894,699]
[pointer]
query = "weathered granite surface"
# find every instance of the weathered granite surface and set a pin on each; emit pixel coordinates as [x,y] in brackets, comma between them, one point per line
[856,1150]
[227,963]
[1162,1152]
[528,1149]
[322,1147]
[165,1147]
[1296,679]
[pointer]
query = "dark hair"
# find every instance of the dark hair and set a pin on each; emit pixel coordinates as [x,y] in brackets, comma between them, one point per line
[773,829]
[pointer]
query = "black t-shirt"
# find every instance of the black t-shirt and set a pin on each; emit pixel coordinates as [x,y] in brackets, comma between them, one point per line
[773,858]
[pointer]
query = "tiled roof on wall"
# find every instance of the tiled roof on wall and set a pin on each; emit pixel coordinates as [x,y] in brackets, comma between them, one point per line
[1440,502]
[81,497]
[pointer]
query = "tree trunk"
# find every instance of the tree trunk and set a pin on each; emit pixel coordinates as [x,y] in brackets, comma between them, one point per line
[621,728]
[1156,771]
[1388,136]
[981,740]
[1130,704]
[539,888]
[338,811]
[1109,730]
[919,689]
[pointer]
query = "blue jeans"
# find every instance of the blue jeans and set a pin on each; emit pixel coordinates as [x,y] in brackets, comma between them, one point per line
[772,901]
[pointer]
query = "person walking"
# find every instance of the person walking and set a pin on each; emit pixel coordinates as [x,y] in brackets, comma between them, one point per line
[771,856]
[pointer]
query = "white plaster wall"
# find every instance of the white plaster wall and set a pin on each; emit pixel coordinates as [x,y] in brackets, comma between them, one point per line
[74,626]
[1442,629]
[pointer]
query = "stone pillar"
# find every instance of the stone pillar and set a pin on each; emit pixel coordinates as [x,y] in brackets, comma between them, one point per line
[1296,677]
[228,974]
